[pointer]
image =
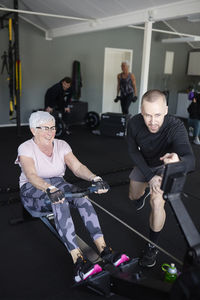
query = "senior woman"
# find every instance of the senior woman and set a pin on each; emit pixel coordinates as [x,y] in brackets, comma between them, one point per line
[43,160]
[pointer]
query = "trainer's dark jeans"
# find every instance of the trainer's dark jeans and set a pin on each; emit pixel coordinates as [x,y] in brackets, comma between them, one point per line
[38,200]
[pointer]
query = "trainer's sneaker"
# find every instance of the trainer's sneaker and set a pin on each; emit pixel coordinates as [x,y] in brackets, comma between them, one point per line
[139,203]
[84,269]
[149,256]
[115,258]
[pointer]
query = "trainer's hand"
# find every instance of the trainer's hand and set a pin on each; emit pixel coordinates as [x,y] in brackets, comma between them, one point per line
[170,158]
[101,185]
[55,195]
[155,183]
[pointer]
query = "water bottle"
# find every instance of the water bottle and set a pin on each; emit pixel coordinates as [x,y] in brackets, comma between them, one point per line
[170,272]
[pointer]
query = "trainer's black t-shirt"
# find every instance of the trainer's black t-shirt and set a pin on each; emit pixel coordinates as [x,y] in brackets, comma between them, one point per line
[146,148]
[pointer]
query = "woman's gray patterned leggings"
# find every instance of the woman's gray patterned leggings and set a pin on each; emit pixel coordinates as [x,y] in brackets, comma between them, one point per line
[37,200]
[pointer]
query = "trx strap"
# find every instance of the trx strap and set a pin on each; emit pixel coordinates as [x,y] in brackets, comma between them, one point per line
[10,78]
[18,80]
[15,74]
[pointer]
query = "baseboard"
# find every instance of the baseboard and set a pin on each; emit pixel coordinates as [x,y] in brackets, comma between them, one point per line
[13,125]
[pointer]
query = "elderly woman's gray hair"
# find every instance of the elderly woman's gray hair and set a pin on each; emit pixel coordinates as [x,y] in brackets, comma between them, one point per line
[40,117]
[126,62]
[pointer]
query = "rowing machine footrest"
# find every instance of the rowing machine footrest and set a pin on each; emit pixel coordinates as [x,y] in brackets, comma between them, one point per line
[99,283]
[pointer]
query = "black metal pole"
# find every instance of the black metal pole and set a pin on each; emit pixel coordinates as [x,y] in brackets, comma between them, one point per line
[17,59]
[187,226]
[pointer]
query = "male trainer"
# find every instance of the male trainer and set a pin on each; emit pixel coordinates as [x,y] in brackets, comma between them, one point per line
[154,139]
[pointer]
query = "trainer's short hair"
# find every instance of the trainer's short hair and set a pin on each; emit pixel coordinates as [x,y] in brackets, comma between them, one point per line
[153,95]
[67,79]
[40,117]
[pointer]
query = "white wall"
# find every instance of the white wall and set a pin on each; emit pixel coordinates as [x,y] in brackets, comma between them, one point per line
[46,62]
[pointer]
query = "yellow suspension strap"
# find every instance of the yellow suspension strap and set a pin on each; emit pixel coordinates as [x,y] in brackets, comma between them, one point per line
[10,29]
[10,78]
[18,80]
[16,83]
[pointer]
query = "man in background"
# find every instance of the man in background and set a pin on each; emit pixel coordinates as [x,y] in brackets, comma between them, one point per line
[58,98]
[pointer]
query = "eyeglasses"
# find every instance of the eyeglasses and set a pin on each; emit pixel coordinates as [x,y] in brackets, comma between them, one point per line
[46,128]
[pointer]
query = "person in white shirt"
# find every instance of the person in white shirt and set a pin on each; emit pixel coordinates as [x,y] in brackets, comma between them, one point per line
[43,160]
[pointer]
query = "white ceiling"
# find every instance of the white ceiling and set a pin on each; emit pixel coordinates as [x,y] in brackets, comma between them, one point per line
[105,14]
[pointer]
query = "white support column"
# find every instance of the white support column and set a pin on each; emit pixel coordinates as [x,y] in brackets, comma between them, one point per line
[145,60]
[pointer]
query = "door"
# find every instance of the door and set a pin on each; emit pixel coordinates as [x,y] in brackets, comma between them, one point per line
[112,66]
